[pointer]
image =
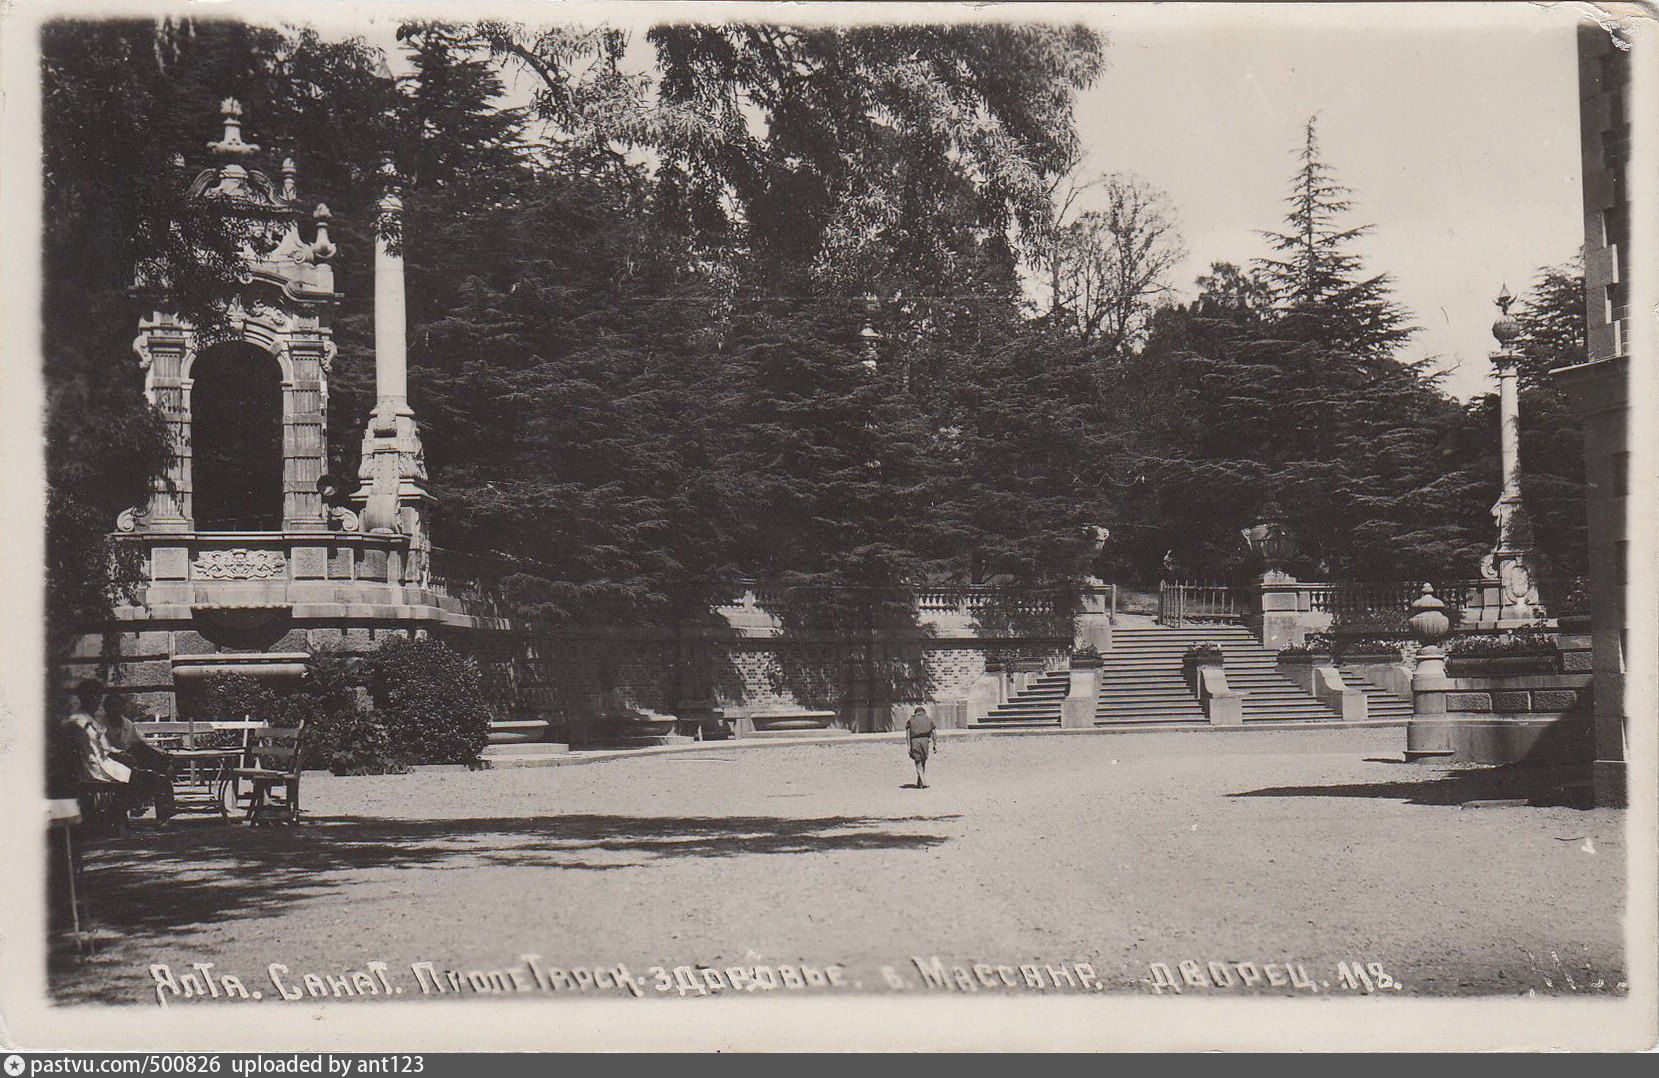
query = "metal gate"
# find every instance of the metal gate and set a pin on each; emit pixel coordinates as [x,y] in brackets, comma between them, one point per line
[1189,603]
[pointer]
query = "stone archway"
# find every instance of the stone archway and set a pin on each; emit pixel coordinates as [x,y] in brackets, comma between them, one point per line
[236,439]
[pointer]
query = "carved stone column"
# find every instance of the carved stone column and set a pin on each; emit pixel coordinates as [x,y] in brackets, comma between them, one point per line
[1510,565]
[393,468]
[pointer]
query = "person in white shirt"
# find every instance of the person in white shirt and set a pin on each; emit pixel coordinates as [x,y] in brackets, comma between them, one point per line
[99,764]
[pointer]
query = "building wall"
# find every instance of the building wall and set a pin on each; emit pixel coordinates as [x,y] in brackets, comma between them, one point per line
[1599,388]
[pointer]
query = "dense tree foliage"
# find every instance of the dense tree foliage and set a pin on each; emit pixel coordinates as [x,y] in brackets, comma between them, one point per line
[760,311]
[756,352]
[1280,389]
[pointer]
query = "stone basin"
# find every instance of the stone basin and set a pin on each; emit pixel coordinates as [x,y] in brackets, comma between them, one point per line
[790,719]
[518,731]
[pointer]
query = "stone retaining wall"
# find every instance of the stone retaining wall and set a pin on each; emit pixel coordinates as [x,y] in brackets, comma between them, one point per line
[557,675]
[1505,718]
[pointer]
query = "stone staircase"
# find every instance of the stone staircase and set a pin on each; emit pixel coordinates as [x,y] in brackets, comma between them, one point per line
[1141,682]
[1037,706]
[1379,702]
[1140,679]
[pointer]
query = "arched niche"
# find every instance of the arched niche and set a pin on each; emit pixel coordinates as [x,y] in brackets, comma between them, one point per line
[236,438]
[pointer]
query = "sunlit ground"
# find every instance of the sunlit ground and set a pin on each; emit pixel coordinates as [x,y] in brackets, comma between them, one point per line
[1297,850]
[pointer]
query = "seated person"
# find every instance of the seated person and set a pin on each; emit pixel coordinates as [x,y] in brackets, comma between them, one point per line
[99,764]
[152,768]
[127,739]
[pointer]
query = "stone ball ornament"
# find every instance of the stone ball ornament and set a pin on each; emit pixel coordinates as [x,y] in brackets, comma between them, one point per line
[1429,622]
[1506,329]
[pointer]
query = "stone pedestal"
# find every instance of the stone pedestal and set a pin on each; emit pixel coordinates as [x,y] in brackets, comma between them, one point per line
[1323,681]
[1077,710]
[1428,735]
[1208,678]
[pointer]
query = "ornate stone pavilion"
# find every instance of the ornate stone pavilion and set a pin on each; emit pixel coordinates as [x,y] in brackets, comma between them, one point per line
[252,557]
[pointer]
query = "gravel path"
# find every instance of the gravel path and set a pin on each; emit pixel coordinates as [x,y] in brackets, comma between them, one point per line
[1116,851]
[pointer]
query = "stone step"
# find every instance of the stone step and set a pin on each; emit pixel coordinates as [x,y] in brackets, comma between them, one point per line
[521,748]
[1002,719]
[1152,720]
[1167,700]
[552,758]
[1155,687]
[1033,724]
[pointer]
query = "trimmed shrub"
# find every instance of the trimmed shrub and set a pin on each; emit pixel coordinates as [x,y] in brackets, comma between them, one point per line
[343,733]
[359,744]
[430,699]
[229,697]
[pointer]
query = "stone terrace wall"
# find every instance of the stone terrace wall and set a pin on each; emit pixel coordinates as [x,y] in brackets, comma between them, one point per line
[558,677]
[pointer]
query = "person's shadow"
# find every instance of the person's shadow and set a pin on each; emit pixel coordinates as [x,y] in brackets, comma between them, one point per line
[915,786]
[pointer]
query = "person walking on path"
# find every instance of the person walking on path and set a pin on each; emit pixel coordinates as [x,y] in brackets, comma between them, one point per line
[919,731]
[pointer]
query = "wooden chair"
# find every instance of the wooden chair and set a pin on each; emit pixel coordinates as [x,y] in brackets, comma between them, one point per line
[273,761]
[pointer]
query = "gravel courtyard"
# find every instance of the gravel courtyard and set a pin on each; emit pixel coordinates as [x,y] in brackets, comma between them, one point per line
[1289,848]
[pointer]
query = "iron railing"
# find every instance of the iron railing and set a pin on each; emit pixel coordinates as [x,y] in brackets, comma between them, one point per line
[1193,603]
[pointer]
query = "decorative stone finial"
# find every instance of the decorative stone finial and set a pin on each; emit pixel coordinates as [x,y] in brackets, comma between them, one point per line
[232,145]
[323,249]
[1506,329]
[1428,622]
[290,173]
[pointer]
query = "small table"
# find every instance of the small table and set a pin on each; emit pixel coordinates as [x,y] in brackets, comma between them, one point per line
[201,776]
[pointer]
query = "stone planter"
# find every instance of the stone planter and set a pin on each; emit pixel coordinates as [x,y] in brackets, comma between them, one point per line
[1368,658]
[1190,666]
[1509,664]
[638,725]
[1305,658]
[1086,662]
